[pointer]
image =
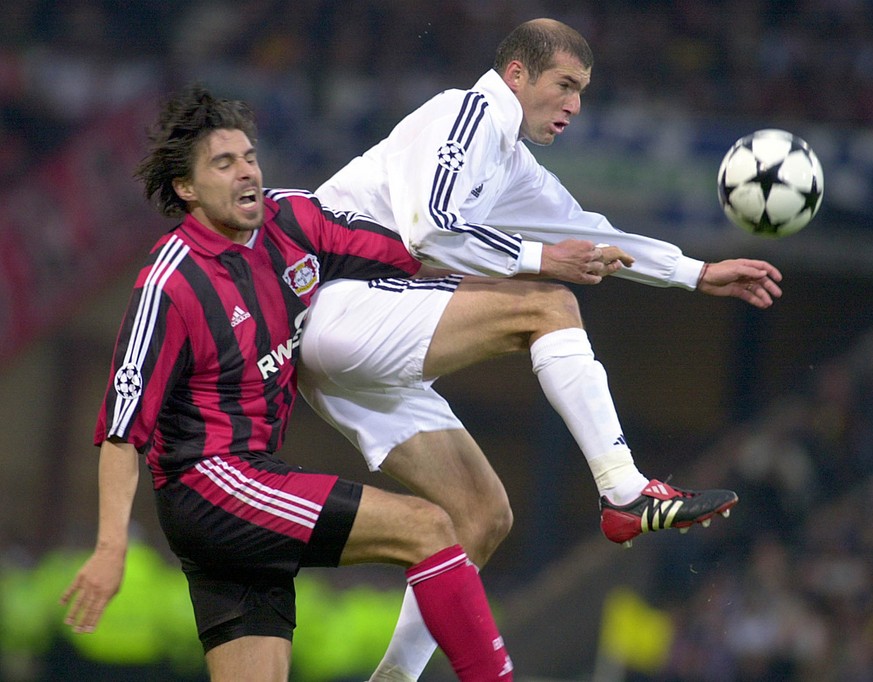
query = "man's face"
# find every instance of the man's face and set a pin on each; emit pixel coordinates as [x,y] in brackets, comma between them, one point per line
[550,101]
[225,190]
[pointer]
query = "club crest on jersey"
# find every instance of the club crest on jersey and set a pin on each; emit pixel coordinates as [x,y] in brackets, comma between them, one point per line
[451,156]
[303,275]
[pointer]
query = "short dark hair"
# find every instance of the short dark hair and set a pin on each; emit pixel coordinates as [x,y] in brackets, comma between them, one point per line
[535,44]
[185,119]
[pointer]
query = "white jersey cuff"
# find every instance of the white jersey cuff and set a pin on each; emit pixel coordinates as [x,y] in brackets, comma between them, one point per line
[530,258]
[687,273]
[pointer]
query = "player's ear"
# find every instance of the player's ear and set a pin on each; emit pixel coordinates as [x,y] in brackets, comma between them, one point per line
[184,188]
[513,74]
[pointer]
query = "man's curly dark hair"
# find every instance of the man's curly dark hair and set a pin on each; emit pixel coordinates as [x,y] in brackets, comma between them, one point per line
[184,121]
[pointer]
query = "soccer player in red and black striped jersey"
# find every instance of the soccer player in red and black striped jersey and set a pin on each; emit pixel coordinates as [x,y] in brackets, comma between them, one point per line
[203,382]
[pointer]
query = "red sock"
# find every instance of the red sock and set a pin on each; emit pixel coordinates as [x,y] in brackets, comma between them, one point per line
[455,609]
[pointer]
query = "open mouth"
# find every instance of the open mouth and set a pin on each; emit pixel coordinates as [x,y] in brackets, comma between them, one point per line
[248,199]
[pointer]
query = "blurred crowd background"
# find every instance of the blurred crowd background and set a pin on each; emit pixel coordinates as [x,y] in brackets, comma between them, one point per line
[326,69]
[777,405]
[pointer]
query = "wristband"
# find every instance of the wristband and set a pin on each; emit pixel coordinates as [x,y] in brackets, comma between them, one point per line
[702,273]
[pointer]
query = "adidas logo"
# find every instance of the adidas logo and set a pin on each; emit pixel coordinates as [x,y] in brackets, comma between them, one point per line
[239,315]
[660,515]
[477,191]
[658,489]
[507,667]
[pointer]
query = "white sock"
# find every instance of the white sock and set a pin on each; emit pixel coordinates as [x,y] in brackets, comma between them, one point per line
[410,648]
[575,384]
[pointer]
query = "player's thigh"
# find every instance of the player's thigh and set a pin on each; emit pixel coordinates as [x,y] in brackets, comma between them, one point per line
[396,528]
[449,468]
[487,318]
[250,659]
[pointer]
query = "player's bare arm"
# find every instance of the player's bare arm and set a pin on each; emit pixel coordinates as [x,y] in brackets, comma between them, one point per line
[99,579]
[754,281]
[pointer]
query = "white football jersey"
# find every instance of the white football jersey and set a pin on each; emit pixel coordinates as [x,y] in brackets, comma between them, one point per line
[466,194]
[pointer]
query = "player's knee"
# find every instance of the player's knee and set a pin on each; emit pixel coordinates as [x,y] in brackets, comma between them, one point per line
[553,306]
[433,529]
[563,306]
[484,532]
[500,523]
[505,522]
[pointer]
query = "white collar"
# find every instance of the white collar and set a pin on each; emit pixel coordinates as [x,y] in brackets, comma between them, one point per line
[506,110]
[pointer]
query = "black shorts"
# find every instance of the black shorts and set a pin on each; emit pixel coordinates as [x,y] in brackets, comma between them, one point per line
[242,527]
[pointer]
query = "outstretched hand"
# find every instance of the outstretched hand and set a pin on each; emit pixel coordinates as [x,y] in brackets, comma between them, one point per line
[91,590]
[753,281]
[581,262]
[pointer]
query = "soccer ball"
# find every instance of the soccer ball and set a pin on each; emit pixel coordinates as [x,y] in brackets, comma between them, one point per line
[770,183]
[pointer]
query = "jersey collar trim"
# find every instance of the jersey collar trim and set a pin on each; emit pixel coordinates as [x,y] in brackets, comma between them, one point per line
[208,243]
[505,110]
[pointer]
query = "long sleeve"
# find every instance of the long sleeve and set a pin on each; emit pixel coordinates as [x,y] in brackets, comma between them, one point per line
[541,208]
[431,175]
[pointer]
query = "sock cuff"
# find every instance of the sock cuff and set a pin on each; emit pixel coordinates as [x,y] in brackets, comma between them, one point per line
[445,560]
[560,344]
[613,467]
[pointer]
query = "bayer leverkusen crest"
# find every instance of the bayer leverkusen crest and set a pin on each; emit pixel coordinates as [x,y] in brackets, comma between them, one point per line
[302,276]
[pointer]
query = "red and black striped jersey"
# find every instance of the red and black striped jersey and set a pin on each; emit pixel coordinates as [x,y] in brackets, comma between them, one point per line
[204,362]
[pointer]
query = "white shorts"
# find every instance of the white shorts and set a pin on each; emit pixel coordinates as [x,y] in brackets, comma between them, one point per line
[361,358]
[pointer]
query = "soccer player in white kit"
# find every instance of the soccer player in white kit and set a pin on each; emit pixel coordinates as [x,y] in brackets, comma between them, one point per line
[456,180]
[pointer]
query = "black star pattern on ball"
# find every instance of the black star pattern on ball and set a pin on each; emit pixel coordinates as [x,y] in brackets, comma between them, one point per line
[765,172]
[812,196]
[766,178]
